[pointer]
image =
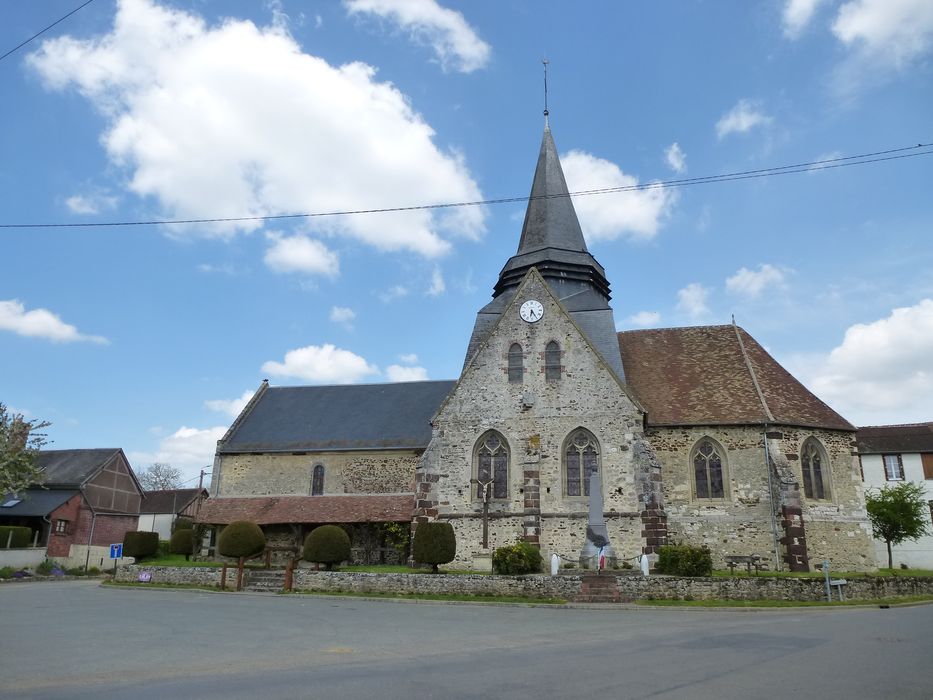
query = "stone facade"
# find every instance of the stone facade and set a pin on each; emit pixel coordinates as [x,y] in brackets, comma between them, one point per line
[274,474]
[535,417]
[748,519]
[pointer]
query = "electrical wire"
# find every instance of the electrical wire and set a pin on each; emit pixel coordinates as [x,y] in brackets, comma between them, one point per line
[825,164]
[38,34]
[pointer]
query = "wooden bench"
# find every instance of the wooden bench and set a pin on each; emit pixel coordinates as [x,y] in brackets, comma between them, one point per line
[749,560]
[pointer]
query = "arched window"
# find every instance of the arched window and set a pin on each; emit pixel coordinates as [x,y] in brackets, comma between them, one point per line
[516,364]
[709,473]
[814,466]
[317,480]
[552,361]
[492,464]
[581,460]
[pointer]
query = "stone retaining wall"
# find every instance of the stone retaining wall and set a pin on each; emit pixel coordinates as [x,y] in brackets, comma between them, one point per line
[568,587]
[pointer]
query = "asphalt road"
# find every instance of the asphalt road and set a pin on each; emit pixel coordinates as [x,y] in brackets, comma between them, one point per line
[78,640]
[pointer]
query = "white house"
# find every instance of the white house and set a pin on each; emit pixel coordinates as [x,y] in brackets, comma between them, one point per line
[890,454]
[160,508]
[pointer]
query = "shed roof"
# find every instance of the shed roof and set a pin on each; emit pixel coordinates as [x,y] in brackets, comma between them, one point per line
[717,375]
[169,500]
[880,439]
[35,502]
[272,510]
[73,467]
[345,417]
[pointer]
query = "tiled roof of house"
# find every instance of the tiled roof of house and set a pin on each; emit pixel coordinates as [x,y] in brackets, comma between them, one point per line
[168,501]
[271,510]
[34,502]
[73,467]
[879,439]
[716,375]
[345,417]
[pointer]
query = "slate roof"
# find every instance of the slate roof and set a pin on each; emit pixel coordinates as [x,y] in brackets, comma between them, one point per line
[700,376]
[168,501]
[36,502]
[881,439]
[271,510]
[73,467]
[345,417]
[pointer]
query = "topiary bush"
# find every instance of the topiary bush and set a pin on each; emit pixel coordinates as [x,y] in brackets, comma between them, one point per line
[434,543]
[22,536]
[327,544]
[241,539]
[140,545]
[684,560]
[517,559]
[182,524]
[181,543]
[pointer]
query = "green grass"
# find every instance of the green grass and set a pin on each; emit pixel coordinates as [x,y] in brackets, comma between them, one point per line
[781,603]
[399,569]
[440,596]
[724,573]
[178,560]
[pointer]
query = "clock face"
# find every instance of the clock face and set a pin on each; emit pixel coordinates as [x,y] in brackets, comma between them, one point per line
[531,311]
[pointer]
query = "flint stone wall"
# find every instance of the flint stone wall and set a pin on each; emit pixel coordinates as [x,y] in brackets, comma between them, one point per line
[567,587]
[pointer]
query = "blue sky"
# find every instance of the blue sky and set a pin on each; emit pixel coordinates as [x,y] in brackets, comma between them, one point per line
[150,338]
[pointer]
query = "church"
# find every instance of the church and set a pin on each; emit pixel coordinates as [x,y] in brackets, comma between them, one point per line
[695,435]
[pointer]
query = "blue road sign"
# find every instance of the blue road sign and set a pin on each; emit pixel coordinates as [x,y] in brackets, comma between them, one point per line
[116,551]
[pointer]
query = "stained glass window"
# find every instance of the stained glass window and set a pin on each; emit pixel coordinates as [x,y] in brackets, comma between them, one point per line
[317,480]
[581,460]
[811,463]
[516,364]
[707,470]
[492,461]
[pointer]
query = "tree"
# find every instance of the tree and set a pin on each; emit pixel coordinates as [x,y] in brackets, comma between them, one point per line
[897,513]
[20,440]
[435,543]
[159,476]
[328,545]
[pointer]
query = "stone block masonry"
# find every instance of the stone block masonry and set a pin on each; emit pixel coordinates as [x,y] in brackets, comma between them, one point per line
[571,587]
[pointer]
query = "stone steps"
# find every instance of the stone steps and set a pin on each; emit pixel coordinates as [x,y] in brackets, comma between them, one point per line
[264,581]
[595,588]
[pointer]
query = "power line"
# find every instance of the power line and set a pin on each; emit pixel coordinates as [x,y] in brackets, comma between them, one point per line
[37,35]
[826,164]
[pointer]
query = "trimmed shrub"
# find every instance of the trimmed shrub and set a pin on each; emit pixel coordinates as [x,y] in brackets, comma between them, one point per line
[140,545]
[93,571]
[241,539]
[7,572]
[22,536]
[163,550]
[181,543]
[327,544]
[75,571]
[683,560]
[434,543]
[517,559]
[182,524]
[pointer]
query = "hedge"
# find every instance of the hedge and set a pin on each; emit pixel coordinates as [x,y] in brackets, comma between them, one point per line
[140,544]
[517,559]
[683,560]
[182,542]
[435,543]
[327,544]
[22,536]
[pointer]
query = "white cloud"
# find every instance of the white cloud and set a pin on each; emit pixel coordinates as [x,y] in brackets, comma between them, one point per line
[437,283]
[189,449]
[322,364]
[300,254]
[751,283]
[636,214]
[882,371]
[235,120]
[392,293]
[454,41]
[397,373]
[676,158]
[231,407]
[40,323]
[692,300]
[894,32]
[644,319]
[409,359]
[745,116]
[797,15]
[342,315]
[224,269]
[90,203]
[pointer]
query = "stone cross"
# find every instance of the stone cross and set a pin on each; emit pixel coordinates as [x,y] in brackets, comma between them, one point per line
[597,535]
